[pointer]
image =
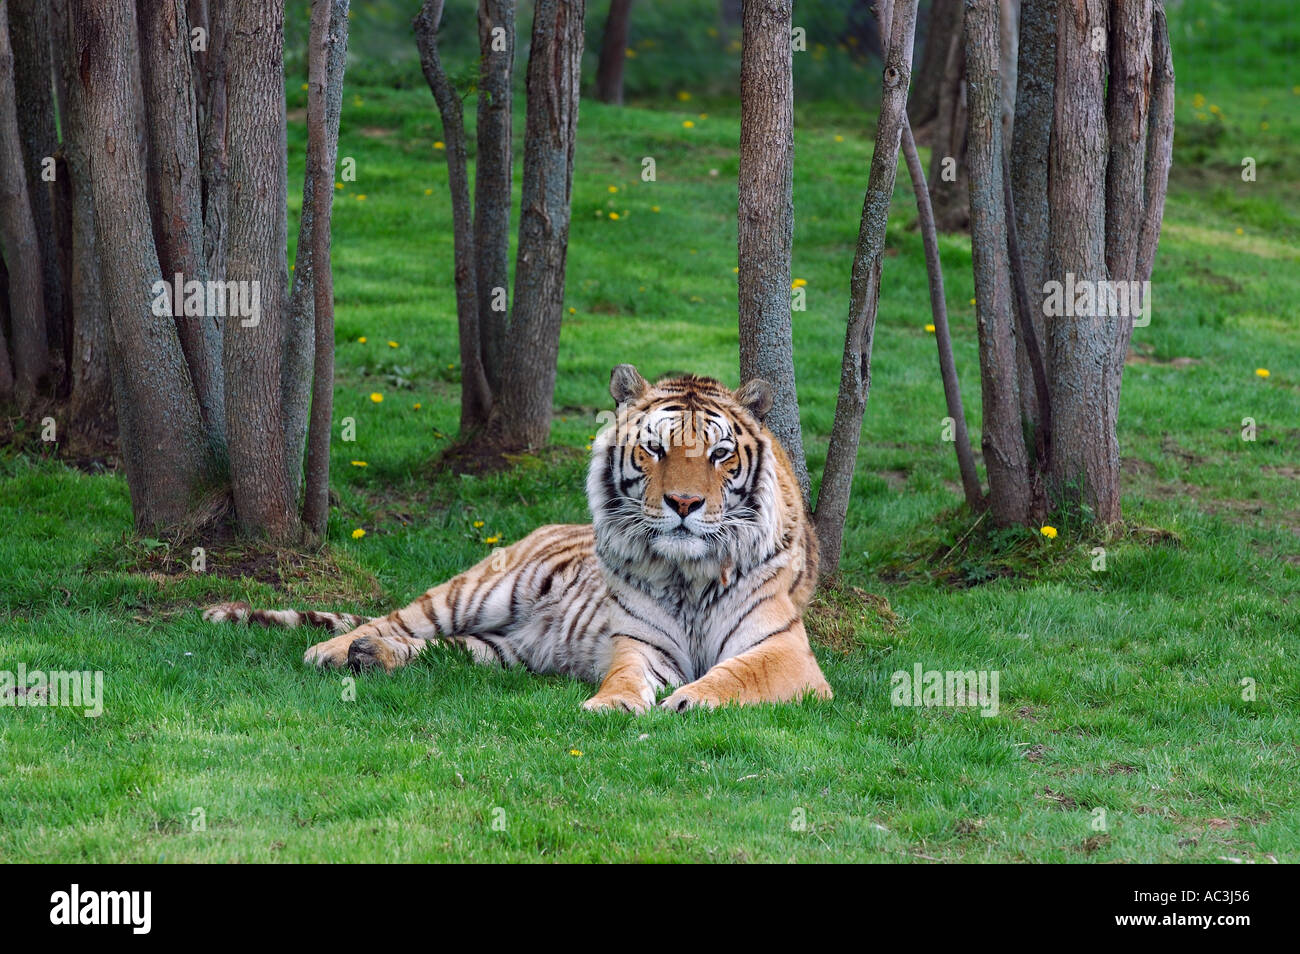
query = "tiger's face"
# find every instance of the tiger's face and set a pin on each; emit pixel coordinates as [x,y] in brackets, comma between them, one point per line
[682,469]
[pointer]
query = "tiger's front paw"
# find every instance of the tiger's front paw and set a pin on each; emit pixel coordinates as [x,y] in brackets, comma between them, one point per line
[331,654]
[691,697]
[620,701]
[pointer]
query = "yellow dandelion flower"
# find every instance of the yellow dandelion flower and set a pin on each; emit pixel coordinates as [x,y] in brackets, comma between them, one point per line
[393,344]
[588,447]
[491,539]
[1049,532]
[428,192]
[930,328]
[1264,126]
[377,397]
[478,524]
[450,367]
[439,145]
[799,283]
[1198,101]
[358,533]
[361,340]
[630,53]
[689,124]
[576,753]
[613,216]
[736,270]
[654,208]
[1215,110]
[683,96]
[362,197]
[416,405]
[359,463]
[972,301]
[573,311]
[1261,372]
[1241,231]
[839,138]
[704,115]
[612,189]
[338,185]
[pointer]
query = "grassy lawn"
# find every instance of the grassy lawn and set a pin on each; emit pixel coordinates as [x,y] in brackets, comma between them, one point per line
[1123,734]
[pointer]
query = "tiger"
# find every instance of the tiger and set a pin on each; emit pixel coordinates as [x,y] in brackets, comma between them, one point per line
[691,579]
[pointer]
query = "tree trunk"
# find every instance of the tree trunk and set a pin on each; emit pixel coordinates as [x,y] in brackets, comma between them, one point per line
[949,186]
[301,356]
[19,242]
[1008,59]
[327,55]
[475,396]
[215,155]
[260,468]
[942,24]
[855,370]
[1160,142]
[521,416]
[90,397]
[160,429]
[1003,441]
[1035,81]
[29,27]
[613,53]
[1085,454]
[765,227]
[493,172]
[175,193]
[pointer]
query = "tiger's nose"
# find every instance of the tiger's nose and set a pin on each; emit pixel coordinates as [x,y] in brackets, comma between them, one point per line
[685,503]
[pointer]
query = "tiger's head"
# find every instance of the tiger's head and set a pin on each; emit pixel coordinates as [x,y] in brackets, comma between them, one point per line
[688,473]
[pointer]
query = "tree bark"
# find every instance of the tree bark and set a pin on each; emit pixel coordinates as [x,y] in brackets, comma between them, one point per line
[90,397]
[942,25]
[327,49]
[301,353]
[213,150]
[521,415]
[613,53]
[1085,455]
[493,173]
[765,224]
[970,480]
[1003,442]
[29,27]
[1160,142]
[1035,82]
[475,396]
[949,186]
[175,192]
[855,370]
[160,429]
[260,469]
[19,241]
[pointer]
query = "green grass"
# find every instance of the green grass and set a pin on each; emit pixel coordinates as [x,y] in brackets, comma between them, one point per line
[1120,690]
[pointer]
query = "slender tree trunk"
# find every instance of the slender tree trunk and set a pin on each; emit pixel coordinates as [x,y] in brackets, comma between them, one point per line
[1085,454]
[175,192]
[493,171]
[260,468]
[765,228]
[90,407]
[1008,63]
[1160,142]
[521,416]
[949,186]
[1035,82]
[29,26]
[161,431]
[613,53]
[942,24]
[18,239]
[475,396]
[327,50]
[970,480]
[301,354]
[213,149]
[855,370]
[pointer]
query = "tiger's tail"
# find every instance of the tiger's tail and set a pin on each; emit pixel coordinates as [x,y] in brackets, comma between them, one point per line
[291,619]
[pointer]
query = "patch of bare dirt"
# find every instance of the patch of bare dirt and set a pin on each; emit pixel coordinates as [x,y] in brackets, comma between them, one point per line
[837,615]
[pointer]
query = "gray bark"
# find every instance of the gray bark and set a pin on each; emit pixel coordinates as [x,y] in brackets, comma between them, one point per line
[159,424]
[213,151]
[175,192]
[613,53]
[521,415]
[493,172]
[766,218]
[950,196]
[1085,452]
[327,55]
[475,396]
[1160,142]
[1002,439]
[942,24]
[19,242]
[260,469]
[300,354]
[855,369]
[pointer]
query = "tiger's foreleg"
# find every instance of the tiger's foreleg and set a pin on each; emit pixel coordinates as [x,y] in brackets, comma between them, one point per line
[636,671]
[779,668]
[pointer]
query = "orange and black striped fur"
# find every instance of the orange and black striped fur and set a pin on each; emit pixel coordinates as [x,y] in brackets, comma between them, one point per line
[692,577]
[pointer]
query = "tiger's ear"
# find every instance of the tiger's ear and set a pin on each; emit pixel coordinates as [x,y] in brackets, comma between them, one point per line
[626,384]
[756,397]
